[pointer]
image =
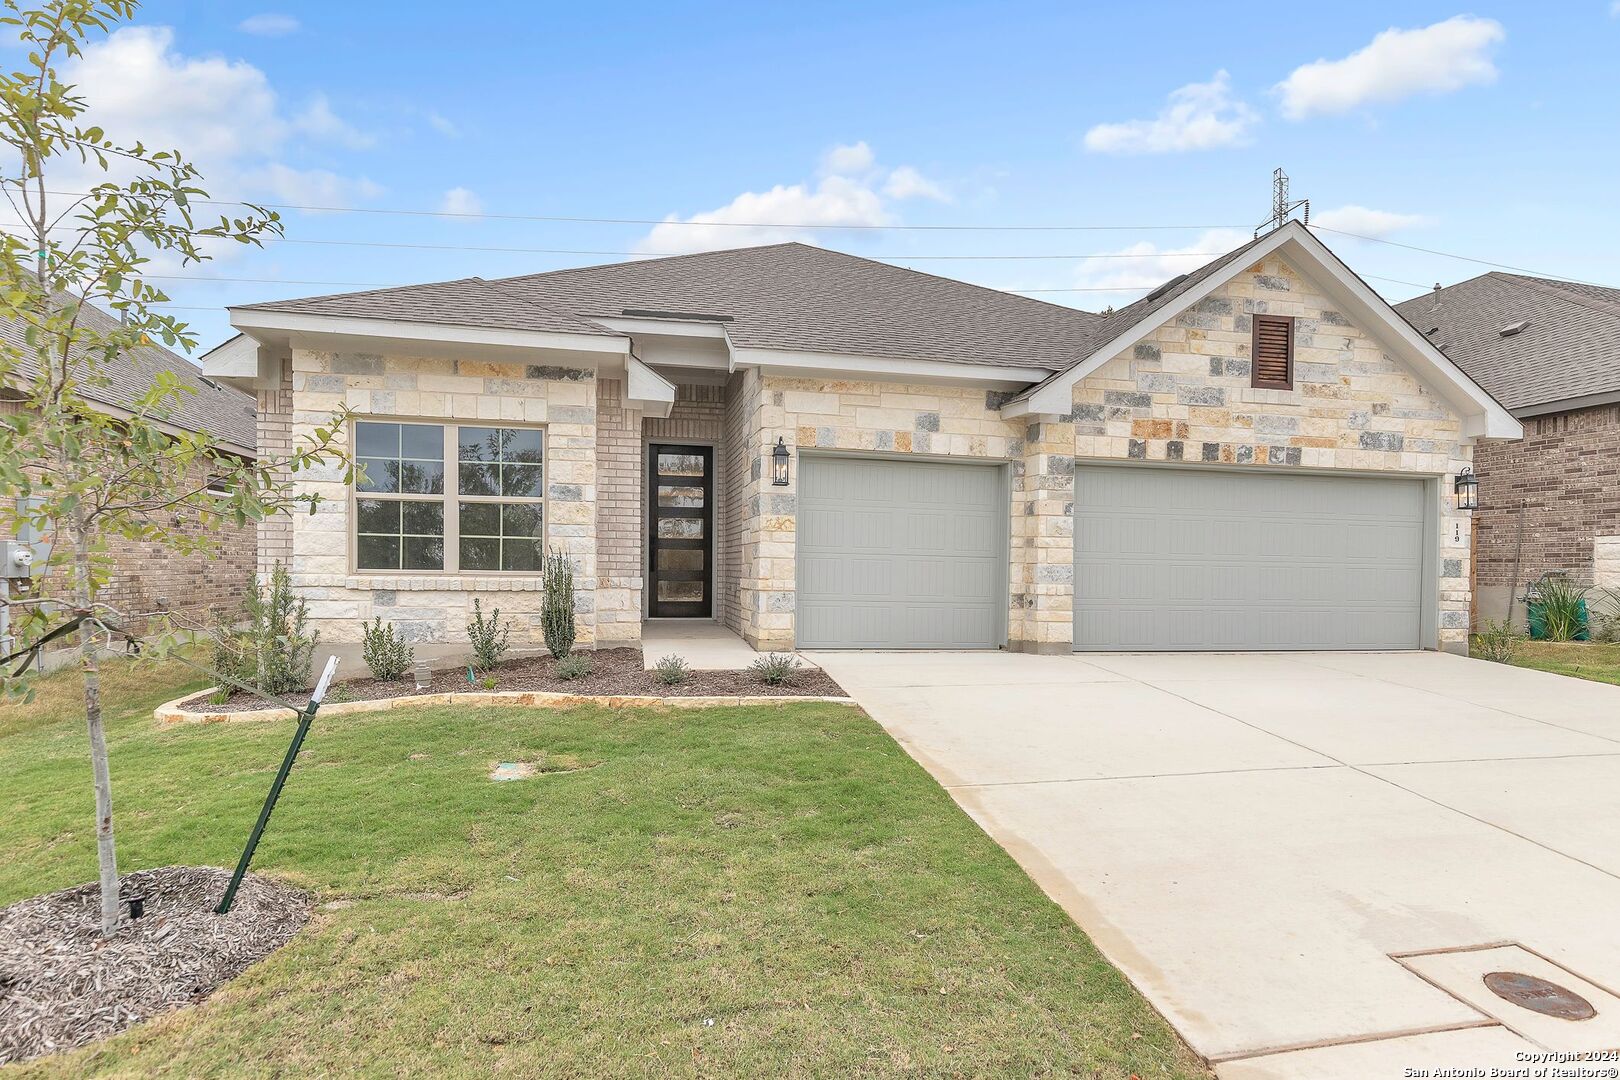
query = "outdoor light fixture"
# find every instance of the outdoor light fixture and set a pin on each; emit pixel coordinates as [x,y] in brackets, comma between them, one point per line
[1467,488]
[779,463]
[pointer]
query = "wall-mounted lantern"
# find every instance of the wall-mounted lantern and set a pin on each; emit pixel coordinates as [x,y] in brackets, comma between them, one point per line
[779,463]
[1467,489]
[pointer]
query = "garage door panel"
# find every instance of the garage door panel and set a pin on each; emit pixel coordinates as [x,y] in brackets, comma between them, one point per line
[900,554]
[1202,559]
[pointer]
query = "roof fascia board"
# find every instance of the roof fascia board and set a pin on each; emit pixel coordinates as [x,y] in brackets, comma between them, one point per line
[1561,405]
[647,390]
[262,324]
[1482,414]
[818,363]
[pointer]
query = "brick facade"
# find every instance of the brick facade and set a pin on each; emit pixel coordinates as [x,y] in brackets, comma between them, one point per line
[1562,484]
[619,509]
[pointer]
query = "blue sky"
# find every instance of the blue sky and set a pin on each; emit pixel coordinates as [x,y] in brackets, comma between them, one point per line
[1487,131]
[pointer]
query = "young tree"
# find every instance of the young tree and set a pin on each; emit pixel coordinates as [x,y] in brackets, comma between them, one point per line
[69,467]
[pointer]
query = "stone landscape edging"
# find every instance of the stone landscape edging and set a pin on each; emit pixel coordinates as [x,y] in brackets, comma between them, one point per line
[171,713]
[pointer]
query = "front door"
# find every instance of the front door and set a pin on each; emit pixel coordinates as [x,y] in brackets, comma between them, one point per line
[680,493]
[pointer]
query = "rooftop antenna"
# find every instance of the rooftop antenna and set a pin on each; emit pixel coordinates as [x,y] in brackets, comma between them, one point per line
[1281,207]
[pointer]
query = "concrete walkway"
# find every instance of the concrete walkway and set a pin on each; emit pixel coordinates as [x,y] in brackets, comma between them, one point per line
[1307,862]
[704,645]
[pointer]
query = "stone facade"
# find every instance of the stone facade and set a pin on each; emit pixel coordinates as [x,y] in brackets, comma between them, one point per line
[1548,502]
[436,606]
[1183,393]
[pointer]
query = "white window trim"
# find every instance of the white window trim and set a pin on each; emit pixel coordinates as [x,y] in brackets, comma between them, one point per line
[450,499]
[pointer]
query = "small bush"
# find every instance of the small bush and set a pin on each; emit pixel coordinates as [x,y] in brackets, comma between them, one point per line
[488,682]
[285,653]
[487,637]
[1563,608]
[557,610]
[575,666]
[1498,642]
[1604,612]
[385,652]
[672,670]
[776,669]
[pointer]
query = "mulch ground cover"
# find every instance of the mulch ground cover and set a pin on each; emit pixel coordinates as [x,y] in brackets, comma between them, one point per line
[63,985]
[613,672]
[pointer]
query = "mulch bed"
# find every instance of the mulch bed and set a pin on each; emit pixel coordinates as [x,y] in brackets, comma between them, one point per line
[62,985]
[613,672]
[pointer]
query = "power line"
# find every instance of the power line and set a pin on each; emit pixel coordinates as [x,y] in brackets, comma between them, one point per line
[1453,255]
[665,221]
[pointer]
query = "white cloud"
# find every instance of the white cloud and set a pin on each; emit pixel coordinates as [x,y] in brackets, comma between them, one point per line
[459,200]
[222,114]
[848,160]
[1198,116]
[319,120]
[1144,266]
[907,183]
[443,125]
[852,191]
[269,24]
[1396,64]
[1364,221]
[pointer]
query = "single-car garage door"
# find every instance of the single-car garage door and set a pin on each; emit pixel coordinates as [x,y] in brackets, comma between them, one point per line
[1188,558]
[897,554]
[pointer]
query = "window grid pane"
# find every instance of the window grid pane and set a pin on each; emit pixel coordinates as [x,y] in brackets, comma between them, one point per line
[499,527]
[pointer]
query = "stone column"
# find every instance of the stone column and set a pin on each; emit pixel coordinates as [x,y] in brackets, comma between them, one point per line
[1042,615]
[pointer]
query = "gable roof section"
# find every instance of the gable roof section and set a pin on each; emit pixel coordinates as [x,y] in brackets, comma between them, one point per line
[783,296]
[1482,414]
[1567,353]
[222,412]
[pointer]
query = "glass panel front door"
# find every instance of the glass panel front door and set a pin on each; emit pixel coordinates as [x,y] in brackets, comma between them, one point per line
[680,515]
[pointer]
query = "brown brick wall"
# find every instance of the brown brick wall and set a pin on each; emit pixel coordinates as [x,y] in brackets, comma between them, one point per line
[275,440]
[618,516]
[1566,475]
[148,576]
[742,395]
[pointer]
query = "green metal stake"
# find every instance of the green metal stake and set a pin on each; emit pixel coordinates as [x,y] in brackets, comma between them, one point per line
[304,719]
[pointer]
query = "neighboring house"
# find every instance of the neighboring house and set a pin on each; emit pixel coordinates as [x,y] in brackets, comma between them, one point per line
[147,576]
[820,451]
[1550,352]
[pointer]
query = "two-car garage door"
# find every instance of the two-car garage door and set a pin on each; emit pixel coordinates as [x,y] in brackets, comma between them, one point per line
[905,554]
[1187,558]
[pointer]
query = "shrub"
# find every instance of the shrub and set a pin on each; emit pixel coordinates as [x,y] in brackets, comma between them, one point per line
[776,669]
[1498,642]
[385,652]
[488,682]
[557,610]
[487,636]
[231,656]
[672,670]
[1604,611]
[574,666]
[1563,608]
[271,650]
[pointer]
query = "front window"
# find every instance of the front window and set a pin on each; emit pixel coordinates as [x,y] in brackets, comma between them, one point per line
[484,513]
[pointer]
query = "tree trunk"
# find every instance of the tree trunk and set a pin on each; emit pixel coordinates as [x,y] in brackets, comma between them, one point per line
[105,852]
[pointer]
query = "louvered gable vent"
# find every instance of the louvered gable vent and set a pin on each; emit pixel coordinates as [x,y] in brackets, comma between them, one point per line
[1273,352]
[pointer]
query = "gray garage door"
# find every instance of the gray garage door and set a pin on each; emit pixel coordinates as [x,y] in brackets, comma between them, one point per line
[1201,559]
[896,554]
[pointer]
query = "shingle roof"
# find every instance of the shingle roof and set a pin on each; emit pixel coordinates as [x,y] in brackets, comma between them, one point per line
[223,412]
[783,296]
[1569,346]
[463,302]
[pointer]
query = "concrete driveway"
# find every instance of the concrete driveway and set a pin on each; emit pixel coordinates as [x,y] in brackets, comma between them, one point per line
[1308,861]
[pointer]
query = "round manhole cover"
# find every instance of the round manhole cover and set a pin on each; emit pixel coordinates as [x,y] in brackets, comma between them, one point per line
[1539,995]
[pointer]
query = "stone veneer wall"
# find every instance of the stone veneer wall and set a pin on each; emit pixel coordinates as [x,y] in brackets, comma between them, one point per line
[1183,394]
[619,502]
[435,606]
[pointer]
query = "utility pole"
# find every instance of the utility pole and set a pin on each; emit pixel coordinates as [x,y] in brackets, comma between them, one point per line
[1282,208]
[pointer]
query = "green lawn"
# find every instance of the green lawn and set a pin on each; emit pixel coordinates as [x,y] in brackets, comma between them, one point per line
[786,872]
[1597,661]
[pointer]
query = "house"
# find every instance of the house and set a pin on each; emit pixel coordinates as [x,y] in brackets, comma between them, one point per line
[1550,352]
[147,575]
[820,451]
